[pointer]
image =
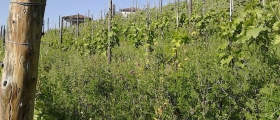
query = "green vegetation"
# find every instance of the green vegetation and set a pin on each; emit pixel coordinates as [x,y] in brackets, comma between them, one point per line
[220,70]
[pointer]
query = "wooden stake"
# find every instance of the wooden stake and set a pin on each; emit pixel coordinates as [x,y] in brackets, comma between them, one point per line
[92,29]
[4,34]
[58,21]
[48,24]
[1,33]
[160,4]
[61,30]
[19,77]
[77,34]
[109,52]
[177,13]
[190,14]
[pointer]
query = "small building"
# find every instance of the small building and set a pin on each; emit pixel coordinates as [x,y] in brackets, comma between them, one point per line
[126,11]
[74,19]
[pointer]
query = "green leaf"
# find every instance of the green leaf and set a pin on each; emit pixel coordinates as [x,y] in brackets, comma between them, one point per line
[276,40]
[224,46]
[275,26]
[254,32]
[227,60]
[110,34]
[265,90]
[259,13]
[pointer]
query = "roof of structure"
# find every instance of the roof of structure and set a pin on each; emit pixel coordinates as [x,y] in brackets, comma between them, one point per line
[131,9]
[75,17]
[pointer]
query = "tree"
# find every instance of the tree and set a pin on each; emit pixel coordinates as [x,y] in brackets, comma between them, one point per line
[19,77]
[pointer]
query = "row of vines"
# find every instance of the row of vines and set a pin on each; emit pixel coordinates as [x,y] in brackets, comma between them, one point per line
[203,67]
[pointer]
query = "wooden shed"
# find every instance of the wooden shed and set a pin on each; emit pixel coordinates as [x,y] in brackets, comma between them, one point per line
[74,19]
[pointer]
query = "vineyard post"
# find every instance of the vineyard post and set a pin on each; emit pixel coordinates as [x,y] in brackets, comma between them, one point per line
[19,77]
[109,52]
[230,10]
[133,3]
[204,7]
[4,34]
[148,48]
[48,24]
[88,16]
[58,21]
[190,14]
[1,33]
[177,13]
[160,4]
[55,28]
[101,15]
[85,20]
[156,10]
[136,4]
[61,30]
[92,27]
[77,31]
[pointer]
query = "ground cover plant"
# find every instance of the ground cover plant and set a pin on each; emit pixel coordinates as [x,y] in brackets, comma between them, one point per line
[163,70]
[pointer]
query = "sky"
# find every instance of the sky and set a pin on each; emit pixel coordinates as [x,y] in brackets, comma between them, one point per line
[55,8]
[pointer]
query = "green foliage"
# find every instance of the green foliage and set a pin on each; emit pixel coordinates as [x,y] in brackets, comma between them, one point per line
[218,70]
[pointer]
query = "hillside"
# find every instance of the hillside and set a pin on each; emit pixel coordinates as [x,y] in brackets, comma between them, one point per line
[201,67]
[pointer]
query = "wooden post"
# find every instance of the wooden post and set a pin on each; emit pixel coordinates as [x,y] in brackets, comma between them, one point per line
[114,10]
[230,10]
[92,29]
[77,34]
[203,7]
[84,20]
[190,14]
[88,12]
[136,4]
[160,5]
[148,20]
[48,23]
[61,30]
[19,77]
[109,52]
[1,33]
[4,34]
[177,13]
[101,15]
[59,22]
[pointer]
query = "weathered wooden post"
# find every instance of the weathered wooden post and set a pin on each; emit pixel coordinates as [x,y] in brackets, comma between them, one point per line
[230,10]
[1,31]
[190,14]
[109,52]
[177,13]
[4,35]
[160,5]
[92,27]
[48,23]
[203,7]
[61,30]
[77,32]
[59,22]
[19,77]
